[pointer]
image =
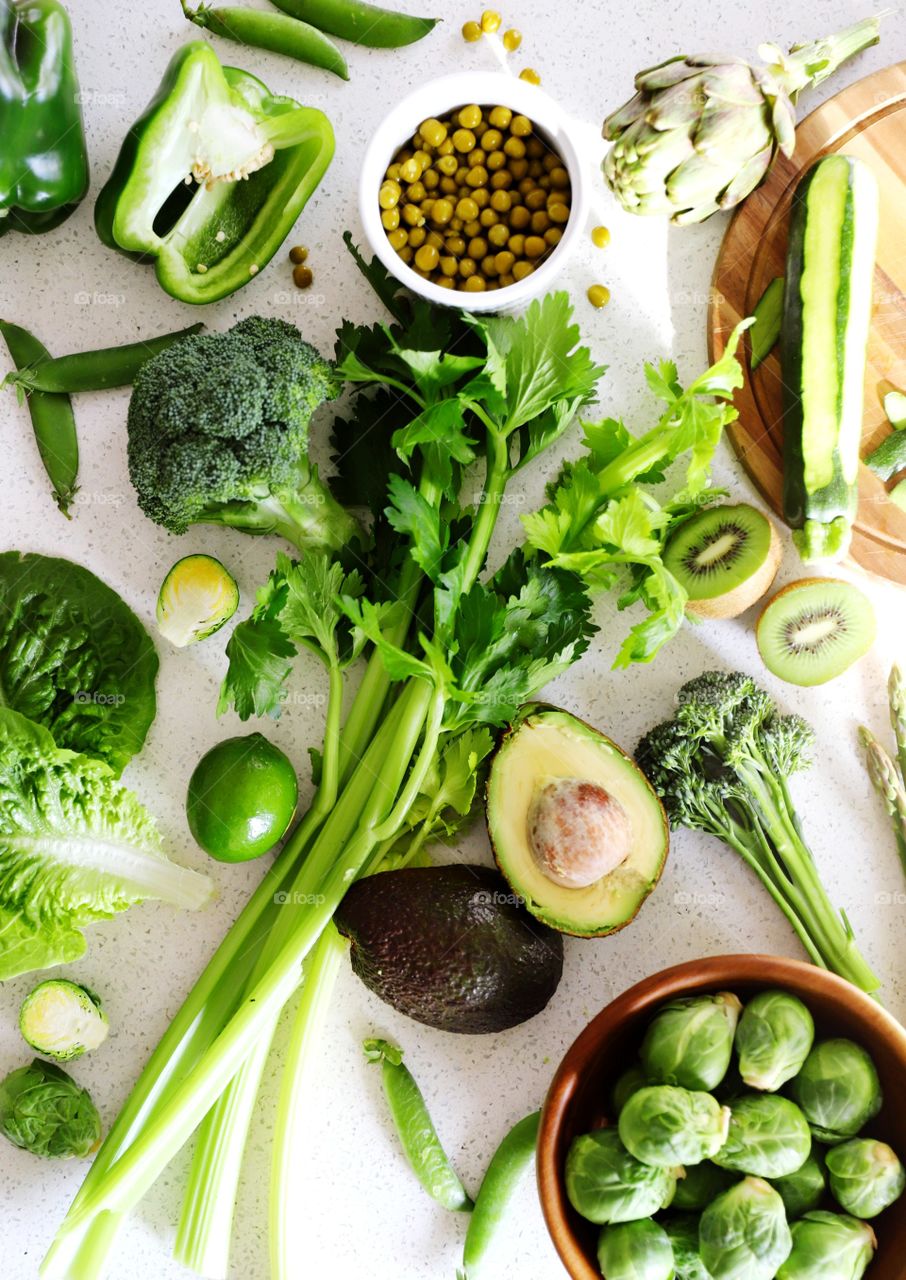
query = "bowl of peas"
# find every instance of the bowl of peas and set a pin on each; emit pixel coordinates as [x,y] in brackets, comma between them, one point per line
[472,192]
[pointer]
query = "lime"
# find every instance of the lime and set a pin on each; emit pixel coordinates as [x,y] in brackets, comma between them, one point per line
[242,797]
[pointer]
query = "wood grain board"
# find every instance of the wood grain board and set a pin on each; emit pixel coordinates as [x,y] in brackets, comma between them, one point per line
[867,120]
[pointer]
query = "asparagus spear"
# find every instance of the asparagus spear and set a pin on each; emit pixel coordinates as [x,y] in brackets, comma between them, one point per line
[889,786]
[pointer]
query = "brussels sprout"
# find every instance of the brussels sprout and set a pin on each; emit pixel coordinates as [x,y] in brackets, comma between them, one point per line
[629,1083]
[607,1185]
[774,1037]
[690,1041]
[196,598]
[665,1126]
[44,1111]
[682,1232]
[62,1020]
[635,1251]
[803,1190]
[838,1090]
[768,1137]
[866,1177]
[829,1246]
[744,1235]
[700,1184]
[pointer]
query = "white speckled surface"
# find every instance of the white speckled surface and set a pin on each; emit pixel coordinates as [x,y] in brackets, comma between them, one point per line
[359,1211]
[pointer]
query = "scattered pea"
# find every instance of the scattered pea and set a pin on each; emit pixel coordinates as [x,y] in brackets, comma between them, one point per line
[598,295]
[298,254]
[530,75]
[471,32]
[302,276]
[490,21]
[600,237]
[512,39]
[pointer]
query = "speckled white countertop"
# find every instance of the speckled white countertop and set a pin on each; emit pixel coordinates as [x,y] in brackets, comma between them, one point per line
[360,1212]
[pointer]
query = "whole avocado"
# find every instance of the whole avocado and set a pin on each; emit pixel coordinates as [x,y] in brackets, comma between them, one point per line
[451,947]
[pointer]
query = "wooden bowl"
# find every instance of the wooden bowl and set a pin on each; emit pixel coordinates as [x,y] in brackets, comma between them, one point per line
[579,1097]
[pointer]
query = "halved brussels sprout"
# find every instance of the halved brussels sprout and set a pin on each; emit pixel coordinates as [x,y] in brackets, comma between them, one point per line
[665,1126]
[629,1083]
[829,1246]
[803,1190]
[838,1090]
[607,1185]
[196,598]
[866,1176]
[690,1041]
[700,1184]
[635,1251]
[62,1020]
[744,1234]
[774,1037]
[768,1137]
[682,1232]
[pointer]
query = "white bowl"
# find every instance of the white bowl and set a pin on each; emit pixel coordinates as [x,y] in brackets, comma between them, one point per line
[437,98]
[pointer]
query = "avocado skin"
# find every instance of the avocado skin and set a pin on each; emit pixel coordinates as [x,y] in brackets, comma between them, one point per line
[451,947]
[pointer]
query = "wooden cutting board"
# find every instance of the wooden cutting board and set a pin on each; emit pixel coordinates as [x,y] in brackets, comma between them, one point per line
[867,120]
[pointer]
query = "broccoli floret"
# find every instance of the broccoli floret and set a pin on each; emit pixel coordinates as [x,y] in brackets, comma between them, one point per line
[218,434]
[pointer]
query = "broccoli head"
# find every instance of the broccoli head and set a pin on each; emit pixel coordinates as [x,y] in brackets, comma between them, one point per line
[218,434]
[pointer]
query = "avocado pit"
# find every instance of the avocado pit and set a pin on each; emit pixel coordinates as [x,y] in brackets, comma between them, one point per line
[578,832]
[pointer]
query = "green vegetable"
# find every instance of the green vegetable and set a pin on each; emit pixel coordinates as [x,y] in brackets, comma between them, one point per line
[218,434]
[889,457]
[743,1234]
[93,687]
[826,321]
[769,1137]
[897,495]
[682,1232]
[894,402]
[803,1190]
[635,1251]
[765,332]
[690,1041]
[866,1176]
[774,1037]
[44,1111]
[702,131]
[838,1090]
[700,1184]
[62,1020]
[421,1144]
[828,1246]
[273,31]
[605,1184]
[722,765]
[628,1083]
[210,179]
[888,774]
[365,24]
[75,847]
[196,598]
[507,1168]
[52,419]
[241,799]
[44,163]
[92,370]
[669,1127]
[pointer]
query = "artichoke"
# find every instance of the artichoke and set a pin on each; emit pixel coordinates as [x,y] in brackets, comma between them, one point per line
[701,132]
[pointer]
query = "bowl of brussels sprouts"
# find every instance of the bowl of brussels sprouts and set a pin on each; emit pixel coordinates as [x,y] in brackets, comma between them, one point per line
[735,1118]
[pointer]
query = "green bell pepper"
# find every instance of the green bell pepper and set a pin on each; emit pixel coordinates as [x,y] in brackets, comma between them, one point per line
[43,160]
[211,178]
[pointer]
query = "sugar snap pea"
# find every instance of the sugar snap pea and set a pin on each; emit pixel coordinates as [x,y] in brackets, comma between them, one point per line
[272,31]
[508,1164]
[423,1149]
[365,24]
[52,419]
[94,370]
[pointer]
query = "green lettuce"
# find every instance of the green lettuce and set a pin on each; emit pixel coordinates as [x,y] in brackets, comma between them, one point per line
[75,846]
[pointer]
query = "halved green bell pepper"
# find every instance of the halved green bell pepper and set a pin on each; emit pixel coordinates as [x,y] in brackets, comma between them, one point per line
[211,178]
[43,160]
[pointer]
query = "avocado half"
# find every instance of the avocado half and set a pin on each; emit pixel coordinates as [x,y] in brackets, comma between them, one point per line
[546,745]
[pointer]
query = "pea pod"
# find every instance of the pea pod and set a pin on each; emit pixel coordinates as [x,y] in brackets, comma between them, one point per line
[508,1164]
[272,31]
[426,1156]
[52,419]
[365,24]
[93,370]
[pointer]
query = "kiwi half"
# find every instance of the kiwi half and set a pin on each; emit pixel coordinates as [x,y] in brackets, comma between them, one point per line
[813,630]
[726,558]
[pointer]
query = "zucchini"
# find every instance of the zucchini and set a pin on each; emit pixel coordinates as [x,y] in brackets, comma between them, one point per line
[895,408]
[898,495]
[826,322]
[889,457]
[765,332]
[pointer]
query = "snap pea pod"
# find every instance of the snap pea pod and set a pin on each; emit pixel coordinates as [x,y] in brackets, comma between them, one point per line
[52,419]
[94,370]
[272,31]
[508,1164]
[423,1149]
[365,24]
